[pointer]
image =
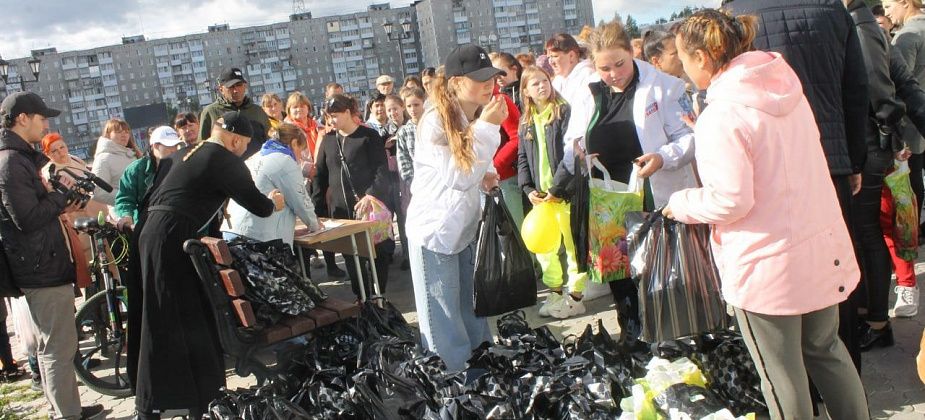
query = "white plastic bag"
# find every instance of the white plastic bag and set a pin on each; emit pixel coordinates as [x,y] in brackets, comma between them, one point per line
[22,323]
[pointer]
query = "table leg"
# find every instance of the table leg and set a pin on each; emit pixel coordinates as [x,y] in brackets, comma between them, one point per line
[371,249]
[298,250]
[356,260]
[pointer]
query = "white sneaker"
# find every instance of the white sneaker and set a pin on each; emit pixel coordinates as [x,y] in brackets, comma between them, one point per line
[907,302]
[551,300]
[567,307]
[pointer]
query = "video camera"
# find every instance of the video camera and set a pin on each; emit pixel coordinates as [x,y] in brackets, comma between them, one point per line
[84,184]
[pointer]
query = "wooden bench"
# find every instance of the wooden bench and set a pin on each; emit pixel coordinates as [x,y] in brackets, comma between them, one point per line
[239,332]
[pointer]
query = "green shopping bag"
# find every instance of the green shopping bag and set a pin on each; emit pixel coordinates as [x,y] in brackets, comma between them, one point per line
[608,203]
[906,221]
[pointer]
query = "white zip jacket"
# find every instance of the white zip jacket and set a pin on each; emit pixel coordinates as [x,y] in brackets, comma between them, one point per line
[574,89]
[445,207]
[657,113]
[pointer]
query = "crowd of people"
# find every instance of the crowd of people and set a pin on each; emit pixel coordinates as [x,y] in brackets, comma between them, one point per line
[781,143]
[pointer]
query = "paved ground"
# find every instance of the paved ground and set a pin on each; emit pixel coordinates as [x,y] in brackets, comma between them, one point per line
[893,388]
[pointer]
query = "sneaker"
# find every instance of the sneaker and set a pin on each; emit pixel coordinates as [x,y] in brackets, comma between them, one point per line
[36,383]
[551,300]
[871,338]
[567,307]
[907,302]
[91,412]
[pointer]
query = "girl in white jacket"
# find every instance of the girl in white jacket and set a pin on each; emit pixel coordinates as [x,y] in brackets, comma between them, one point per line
[454,146]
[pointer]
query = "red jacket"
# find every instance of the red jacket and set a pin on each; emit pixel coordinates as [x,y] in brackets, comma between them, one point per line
[506,157]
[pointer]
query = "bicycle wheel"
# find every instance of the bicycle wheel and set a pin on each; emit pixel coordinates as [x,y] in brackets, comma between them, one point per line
[101,356]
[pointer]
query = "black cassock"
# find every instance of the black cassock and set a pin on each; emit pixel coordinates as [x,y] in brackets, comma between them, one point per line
[180,362]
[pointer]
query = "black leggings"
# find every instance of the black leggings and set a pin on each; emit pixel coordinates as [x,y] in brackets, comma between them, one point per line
[626,297]
[874,257]
[848,310]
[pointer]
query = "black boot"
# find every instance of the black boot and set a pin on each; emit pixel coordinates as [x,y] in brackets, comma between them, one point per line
[871,337]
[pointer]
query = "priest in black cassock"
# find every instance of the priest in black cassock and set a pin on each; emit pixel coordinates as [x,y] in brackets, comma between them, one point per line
[180,362]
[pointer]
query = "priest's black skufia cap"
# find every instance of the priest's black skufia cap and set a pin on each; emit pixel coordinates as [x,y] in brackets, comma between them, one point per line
[234,122]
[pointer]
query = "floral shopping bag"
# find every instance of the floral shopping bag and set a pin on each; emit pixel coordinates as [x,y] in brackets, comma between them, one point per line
[379,212]
[906,221]
[609,201]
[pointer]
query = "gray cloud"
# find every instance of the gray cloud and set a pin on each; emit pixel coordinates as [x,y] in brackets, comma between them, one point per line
[80,24]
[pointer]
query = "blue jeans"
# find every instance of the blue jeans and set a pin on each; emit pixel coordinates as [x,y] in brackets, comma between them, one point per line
[443,291]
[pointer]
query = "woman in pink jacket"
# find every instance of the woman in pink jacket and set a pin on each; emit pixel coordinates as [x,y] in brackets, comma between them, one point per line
[782,247]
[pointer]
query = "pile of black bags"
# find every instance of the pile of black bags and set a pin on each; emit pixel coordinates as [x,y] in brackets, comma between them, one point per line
[373,368]
[274,284]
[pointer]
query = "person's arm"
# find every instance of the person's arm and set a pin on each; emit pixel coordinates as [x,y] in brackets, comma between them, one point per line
[379,165]
[103,169]
[290,182]
[679,150]
[582,113]
[524,177]
[883,103]
[506,157]
[320,181]
[405,165]
[726,169]
[205,124]
[28,212]
[432,148]
[236,181]
[128,198]
[562,179]
[855,97]
[908,90]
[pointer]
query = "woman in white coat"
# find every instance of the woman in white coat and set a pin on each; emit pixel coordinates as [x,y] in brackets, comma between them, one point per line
[635,120]
[115,150]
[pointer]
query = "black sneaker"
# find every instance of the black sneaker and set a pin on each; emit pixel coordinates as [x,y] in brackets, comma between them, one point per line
[91,412]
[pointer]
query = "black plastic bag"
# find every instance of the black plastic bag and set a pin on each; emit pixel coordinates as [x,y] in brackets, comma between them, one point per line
[731,373]
[504,276]
[679,285]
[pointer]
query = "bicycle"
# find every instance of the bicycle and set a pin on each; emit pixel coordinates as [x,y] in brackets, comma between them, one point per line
[101,356]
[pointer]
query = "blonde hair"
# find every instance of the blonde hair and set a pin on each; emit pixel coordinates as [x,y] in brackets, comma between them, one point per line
[531,106]
[718,34]
[609,36]
[288,134]
[296,99]
[458,133]
[116,124]
[267,97]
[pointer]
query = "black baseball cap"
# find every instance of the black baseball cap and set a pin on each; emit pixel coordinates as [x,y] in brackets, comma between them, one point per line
[471,61]
[231,77]
[26,103]
[235,122]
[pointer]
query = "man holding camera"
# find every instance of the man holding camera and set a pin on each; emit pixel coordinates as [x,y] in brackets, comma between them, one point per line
[39,259]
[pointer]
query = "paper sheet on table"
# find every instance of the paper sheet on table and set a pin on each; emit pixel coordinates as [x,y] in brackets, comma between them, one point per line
[331,224]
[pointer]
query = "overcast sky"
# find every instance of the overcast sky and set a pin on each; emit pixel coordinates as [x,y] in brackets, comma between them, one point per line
[79,24]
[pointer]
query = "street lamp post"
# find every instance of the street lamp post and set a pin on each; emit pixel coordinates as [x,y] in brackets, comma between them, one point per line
[398,37]
[35,65]
[488,41]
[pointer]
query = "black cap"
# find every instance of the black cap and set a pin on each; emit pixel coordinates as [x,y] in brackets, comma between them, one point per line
[235,122]
[232,77]
[26,103]
[471,61]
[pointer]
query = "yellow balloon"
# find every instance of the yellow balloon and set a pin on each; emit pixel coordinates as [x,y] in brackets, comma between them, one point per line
[540,230]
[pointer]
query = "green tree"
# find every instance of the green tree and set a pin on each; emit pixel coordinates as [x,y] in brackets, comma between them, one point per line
[632,28]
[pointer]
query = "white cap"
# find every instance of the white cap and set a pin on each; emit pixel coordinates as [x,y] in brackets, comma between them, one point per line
[381,80]
[166,136]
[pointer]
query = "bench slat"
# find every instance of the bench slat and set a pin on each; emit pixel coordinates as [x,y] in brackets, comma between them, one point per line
[323,316]
[342,308]
[220,251]
[299,324]
[231,279]
[276,333]
[245,312]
